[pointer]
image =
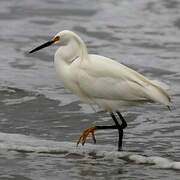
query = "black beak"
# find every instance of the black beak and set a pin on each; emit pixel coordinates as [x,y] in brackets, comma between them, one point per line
[42,46]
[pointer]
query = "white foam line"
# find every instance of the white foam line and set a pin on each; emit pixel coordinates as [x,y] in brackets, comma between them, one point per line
[24,143]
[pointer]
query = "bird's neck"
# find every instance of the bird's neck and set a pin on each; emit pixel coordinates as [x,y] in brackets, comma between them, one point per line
[75,48]
[83,53]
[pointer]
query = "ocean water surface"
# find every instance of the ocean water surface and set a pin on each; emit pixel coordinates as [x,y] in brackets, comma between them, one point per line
[40,121]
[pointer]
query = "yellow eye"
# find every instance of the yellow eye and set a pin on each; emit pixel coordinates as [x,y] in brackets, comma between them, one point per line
[56,38]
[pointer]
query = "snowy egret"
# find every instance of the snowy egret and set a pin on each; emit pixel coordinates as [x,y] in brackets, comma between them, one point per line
[101,81]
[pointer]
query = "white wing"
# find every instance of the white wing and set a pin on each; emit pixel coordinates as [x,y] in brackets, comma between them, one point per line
[103,78]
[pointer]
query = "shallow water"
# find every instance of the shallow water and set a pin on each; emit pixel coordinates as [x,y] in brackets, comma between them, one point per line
[40,121]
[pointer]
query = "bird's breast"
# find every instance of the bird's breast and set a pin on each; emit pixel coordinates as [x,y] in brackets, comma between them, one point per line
[68,76]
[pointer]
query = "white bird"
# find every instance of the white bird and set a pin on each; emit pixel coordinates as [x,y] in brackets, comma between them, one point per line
[101,81]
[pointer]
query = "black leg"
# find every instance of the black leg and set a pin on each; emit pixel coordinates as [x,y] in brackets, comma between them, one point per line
[118,126]
[124,124]
[107,127]
[120,130]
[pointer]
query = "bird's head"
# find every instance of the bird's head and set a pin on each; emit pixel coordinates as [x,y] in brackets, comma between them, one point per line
[62,38]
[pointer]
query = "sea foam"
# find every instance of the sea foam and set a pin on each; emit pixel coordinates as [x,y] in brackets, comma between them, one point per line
[22,143]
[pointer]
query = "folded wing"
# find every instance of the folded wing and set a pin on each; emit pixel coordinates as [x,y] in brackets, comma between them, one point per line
[103,78]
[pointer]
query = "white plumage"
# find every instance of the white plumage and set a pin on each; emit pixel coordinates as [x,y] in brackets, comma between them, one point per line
[100,80]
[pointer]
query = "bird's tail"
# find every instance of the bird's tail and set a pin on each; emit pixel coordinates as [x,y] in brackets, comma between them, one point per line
[157,93]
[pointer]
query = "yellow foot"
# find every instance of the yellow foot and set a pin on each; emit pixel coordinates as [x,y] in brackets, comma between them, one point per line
[85,134]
